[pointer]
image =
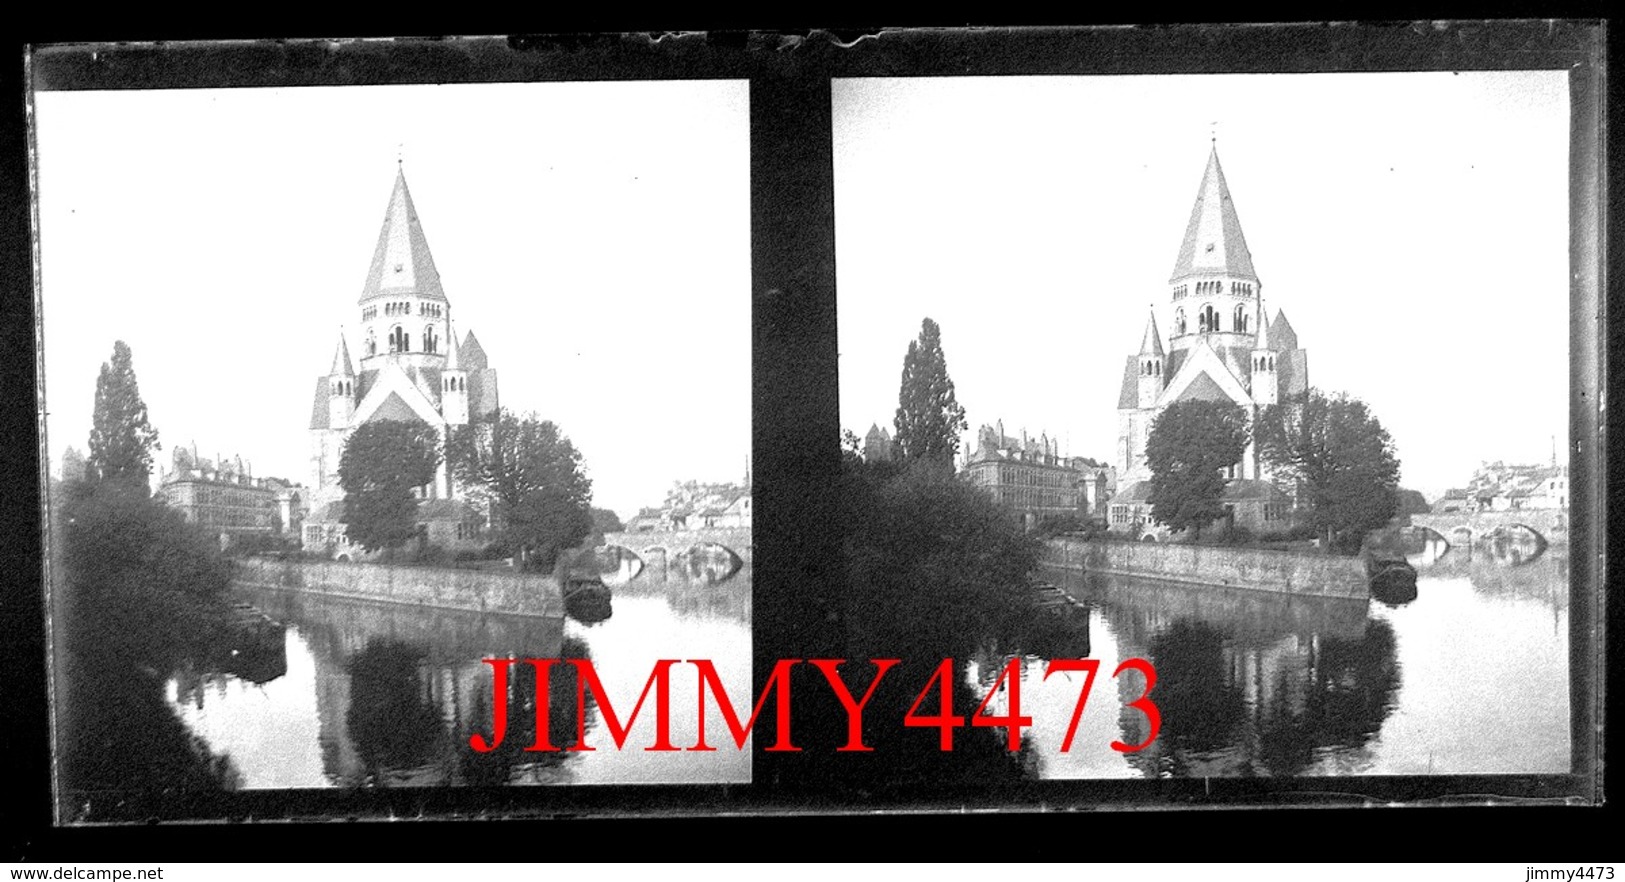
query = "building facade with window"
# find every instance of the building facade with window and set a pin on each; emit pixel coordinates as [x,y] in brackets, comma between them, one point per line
[1222,346]
[223,497]
[412,368]
[1030,477]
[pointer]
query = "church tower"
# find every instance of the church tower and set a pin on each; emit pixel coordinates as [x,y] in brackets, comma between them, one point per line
[1221,347]
[1214,289]
[453,384]
[1266,383]
[341,387]
[1151,356]
[412,369]
[404,312]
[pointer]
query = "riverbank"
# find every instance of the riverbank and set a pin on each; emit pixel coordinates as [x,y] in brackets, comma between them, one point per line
[485,591]
[1253,569]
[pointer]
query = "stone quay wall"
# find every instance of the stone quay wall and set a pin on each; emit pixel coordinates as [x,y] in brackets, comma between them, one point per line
[1255,569]
[483,591]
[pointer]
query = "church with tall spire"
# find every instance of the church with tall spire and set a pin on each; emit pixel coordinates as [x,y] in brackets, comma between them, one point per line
[412,367]
[1222,345]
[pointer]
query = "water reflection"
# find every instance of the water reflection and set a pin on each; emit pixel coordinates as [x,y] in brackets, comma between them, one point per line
[1471,677]
[393,722]
[360,694]
[1510,545]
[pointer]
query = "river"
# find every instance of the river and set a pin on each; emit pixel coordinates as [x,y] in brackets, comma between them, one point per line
[358,694]
[1471,677]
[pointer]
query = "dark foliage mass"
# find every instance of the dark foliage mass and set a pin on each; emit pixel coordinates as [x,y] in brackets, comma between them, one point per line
[1190,445]
[934,570]
[137,593]
[143,583]
[606,521]
[929,418]
[1338,459]
[383,462]
[932,552]
[529,476]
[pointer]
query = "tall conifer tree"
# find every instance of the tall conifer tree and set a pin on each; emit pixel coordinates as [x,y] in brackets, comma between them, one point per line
[121,439]
[929,418]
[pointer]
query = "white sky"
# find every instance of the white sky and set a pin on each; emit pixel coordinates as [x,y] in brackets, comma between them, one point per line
[1414,226]
[594,236]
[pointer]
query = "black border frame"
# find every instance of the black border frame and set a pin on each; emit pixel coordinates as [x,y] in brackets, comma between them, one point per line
[795,382]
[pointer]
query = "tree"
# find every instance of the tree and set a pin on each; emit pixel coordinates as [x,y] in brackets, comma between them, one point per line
[529,476]
[121,439]
[606,521]
[929,419]
[1411,502]
[1339,460]
[1190,446]
[851,444]
[383,461]
[73,465]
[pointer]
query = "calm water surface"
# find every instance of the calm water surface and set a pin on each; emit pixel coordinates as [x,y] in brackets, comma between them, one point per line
[1472,677]
[385,695]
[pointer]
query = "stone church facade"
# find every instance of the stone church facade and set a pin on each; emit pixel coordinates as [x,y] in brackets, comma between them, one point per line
[412,367]
[1222,346]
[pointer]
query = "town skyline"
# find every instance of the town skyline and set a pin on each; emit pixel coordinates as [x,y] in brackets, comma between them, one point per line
[225,235]
[1418,218]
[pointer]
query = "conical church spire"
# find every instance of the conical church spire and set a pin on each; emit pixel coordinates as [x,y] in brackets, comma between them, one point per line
[401,263]
[1263,320]
[1213,242]
[451,345]
[1151,344]
[341,359]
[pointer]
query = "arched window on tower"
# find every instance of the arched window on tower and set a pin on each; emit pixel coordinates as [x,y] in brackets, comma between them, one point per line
[431,342]
[1179,321]
[1240,323]
[397,339]
[372,344]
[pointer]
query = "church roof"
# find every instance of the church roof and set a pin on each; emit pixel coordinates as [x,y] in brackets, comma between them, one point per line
[341,360]
[482,392]
[1203,388]
[452,363]
[1151,344]
[1263,320]
[401,263]
[1213,240]
[318,408]
[472,354]
[1139,491]
[1128,396]
[1292,372]
[1282,336]
[394,408]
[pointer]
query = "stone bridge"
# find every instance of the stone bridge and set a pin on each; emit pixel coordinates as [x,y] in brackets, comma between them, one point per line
[664,545]
[1550,524]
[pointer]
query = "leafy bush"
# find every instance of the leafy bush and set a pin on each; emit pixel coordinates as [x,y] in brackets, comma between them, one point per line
[432,554]
[142,584]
